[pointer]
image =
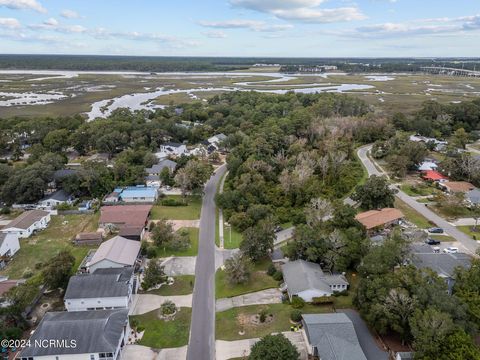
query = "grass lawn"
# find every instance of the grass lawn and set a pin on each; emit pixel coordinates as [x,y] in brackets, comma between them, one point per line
[419,190]
[452,212]
[468,230]
[192,251]
[412,215]
[38,249]
[231,238]
[259,280]
[164,334]
[189,212]
[346,302]
[183,285]
[228,323]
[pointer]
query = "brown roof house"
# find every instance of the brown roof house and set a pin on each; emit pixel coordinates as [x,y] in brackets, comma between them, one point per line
[379,219]
[132,232]
[117,252]
[125,215]
[90,238]
[455,187]
[27,223]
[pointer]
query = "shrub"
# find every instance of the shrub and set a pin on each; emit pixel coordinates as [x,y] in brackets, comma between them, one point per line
[140,328]
[296,315]
[168,308]
[150,252]
[5,211]
[322,300]
[271,270]
[278,276]
[263,315]
[298,302]
[27,273]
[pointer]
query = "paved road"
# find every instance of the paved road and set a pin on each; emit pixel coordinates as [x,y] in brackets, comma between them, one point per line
[467,242]
[202,330]
[369,346]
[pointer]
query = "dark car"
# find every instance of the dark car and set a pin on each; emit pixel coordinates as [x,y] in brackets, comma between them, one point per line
[435,230]
[278,228]
[432,242]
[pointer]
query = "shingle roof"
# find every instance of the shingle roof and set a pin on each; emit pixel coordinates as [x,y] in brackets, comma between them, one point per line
[4,237]
[458,186]
[59,195]
[94,332]
[433,175]
[302,275]
[101,284]
[27,219]
[6,285]
[132,215]
[373,218]
[131,231]
[474,196]
[157,168]
[443,264]
[89,236]
[333,336]
[118,250]
[173,144]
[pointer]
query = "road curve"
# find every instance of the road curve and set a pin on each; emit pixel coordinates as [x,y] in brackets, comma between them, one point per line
[468,243]
[201,345]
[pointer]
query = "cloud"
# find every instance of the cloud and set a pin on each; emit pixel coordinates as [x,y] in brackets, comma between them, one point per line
[69,14]
[253,25]
[52,24]
[215,34]
[23,5]
[10,23]
[308,11]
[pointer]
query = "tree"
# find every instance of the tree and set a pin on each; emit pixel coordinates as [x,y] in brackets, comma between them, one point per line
[460,138]
[154,275]
[58,271]
[237,269]
[399,307]
[318,211]
[166,177]
[56,140]
[163,233]
[274,347]
[258,240]
[375,194]
[193,176]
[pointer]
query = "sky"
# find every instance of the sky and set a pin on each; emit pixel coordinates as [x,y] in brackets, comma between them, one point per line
[261,28]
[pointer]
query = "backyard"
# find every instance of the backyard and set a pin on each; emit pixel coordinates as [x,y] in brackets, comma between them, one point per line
[187,212]
[36,250]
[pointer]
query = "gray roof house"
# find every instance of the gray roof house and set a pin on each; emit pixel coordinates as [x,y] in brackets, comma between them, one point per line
[55,199]
[307,280]
[79,335]
[162,164]
[332,337]
[103,289]
[117,252]
[473,196]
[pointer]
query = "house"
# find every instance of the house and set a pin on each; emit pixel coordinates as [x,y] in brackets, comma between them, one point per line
[379,219]
[473,197]
[132,232]
[422,256]
[171,149]
[455,187]
[103,289]
[51,201]
[117,252]
[216,140]
[88,238]
[9,245]
[440,145]
[84,205]
[91,335]
[427,166]
[153,178]
[307,280]
[404,356]
[434,176]
[6,285]
[133,194]
[124,215]
[27,223]
[332,337]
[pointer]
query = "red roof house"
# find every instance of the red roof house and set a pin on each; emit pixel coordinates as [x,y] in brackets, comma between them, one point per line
[433,175]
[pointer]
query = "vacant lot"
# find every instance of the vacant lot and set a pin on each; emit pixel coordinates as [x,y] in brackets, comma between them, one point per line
[183,285]
[412,215]
[38,249]
[191,251]
[189,212]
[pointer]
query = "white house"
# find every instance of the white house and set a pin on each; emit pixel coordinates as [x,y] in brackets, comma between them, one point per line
[79,335]
[51,201]
[9,245]
[104,289]
[307,280]
[27,223]
[117,252]
[171,149]
[217,139]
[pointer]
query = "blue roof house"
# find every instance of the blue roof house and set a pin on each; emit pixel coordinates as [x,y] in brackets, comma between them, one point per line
[133,194]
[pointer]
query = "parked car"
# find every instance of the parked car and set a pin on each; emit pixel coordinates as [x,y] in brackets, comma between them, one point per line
[278,228]
[435,230]
[431,241]
[450,250]
[436,249]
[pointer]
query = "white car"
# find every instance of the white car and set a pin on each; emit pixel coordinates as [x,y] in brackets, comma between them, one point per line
[450,250]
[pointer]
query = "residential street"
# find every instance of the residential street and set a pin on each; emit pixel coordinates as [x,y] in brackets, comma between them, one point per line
[468,243]
[202,330]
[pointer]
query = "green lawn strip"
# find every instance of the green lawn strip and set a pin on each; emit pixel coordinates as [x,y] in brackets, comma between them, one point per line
[444,238]
[421,190]
[468,229]
[259,280]
[346,302]
[231,238]
[189,212]
[36,250]
[191,251]
[452,212]
[161,334]
[412,215]
[228,323]
[183,285]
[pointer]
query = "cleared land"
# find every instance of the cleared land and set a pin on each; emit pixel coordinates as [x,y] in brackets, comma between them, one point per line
[183,285]
[191,251]
[188,212]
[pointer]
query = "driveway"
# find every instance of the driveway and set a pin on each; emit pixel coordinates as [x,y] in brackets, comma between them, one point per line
[467,242]
[269,296]
[369,346]
[184,265]
[221,255]
[135,352]
[240,348]
[144,303]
